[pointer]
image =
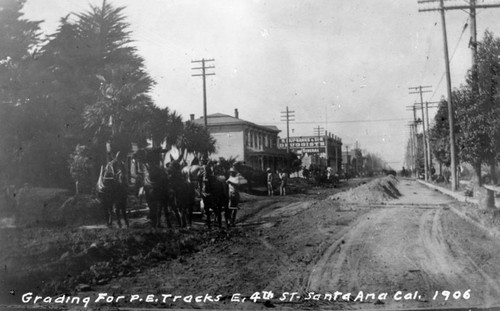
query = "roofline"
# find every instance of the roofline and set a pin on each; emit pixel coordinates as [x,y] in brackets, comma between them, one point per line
[242,122]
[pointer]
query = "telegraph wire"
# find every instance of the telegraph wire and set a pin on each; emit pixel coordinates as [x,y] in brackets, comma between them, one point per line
[452,55]
[356,121]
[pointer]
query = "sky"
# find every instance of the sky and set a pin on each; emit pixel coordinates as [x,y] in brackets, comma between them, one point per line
[342,65]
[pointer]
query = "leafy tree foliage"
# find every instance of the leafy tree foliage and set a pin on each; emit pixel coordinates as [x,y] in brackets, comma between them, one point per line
[477,113]
[165,126]
[195,139]
[99,83]
[439,135]
[19,39]
[116,77]
[85,86]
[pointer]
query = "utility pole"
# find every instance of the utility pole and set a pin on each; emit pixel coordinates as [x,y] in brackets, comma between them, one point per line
[415,123]
[288,116]
[412,150]
[472,15]
[409,148]
[346,160]
[318,130]
[420,90]
[473,44]
[415,140]
[429,153]
[204,74]
[414,147]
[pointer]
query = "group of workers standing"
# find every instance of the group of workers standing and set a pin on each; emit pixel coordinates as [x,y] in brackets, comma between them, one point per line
[283,179]
[212,190]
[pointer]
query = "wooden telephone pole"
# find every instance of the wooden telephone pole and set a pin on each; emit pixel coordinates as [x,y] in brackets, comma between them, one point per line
[204,74]
[427,150]
[287,116]
[472,6]
[411,148]
[415,122]
[318,130]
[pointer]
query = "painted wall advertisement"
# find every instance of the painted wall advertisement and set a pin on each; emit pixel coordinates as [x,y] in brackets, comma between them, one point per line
[311,145]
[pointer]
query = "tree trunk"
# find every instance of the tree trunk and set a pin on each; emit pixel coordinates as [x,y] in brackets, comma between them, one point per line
[485,196]
[76,188]
[493,171]
[477,168]
[493,181]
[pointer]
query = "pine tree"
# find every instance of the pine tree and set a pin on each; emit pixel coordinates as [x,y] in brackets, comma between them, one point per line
[19,39]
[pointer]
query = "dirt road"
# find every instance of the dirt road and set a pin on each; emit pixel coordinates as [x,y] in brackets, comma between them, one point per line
[387,248]
[415,245]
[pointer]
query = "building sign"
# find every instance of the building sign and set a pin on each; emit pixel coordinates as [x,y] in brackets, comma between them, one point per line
[305,144]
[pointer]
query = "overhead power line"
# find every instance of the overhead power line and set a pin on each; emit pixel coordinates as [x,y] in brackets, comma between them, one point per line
[451,58]
[355,121]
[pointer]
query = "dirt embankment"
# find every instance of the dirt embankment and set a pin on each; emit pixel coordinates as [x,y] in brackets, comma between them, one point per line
[57,261]
[35,207]
[376,191]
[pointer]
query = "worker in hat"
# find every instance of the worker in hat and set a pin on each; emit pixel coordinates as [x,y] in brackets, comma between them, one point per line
[234,197]
[269,182]
[283,176]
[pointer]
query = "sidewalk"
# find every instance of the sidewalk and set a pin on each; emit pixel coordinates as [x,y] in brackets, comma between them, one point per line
[459,196]
[475,216]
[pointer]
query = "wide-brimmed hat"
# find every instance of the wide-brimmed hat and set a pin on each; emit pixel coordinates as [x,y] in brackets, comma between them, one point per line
[268,169]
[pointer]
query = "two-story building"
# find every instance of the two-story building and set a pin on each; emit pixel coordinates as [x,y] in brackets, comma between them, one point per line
[255,145]
[320,151]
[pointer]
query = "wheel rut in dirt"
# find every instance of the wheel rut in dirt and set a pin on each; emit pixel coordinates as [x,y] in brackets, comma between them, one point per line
[403,246]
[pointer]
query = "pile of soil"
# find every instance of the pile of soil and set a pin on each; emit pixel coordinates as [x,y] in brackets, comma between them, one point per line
[39,206]
[82,210]
[376,191]
[62,260]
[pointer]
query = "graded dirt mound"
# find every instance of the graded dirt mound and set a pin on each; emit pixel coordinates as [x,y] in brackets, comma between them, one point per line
[39,206]
[62,260]
[82,210]
[375,191]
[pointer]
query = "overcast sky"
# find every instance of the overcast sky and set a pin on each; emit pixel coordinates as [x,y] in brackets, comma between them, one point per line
[339,64]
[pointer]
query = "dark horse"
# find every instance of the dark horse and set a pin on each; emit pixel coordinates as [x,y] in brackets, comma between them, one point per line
[214,193]
[182,192]
[112,191]
[159,189]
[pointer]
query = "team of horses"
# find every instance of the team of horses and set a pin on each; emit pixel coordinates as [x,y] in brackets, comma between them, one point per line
[168,189]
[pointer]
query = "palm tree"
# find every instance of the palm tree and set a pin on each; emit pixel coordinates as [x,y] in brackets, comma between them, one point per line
[121,107]
[165,127]
[196,140]
[121,111]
